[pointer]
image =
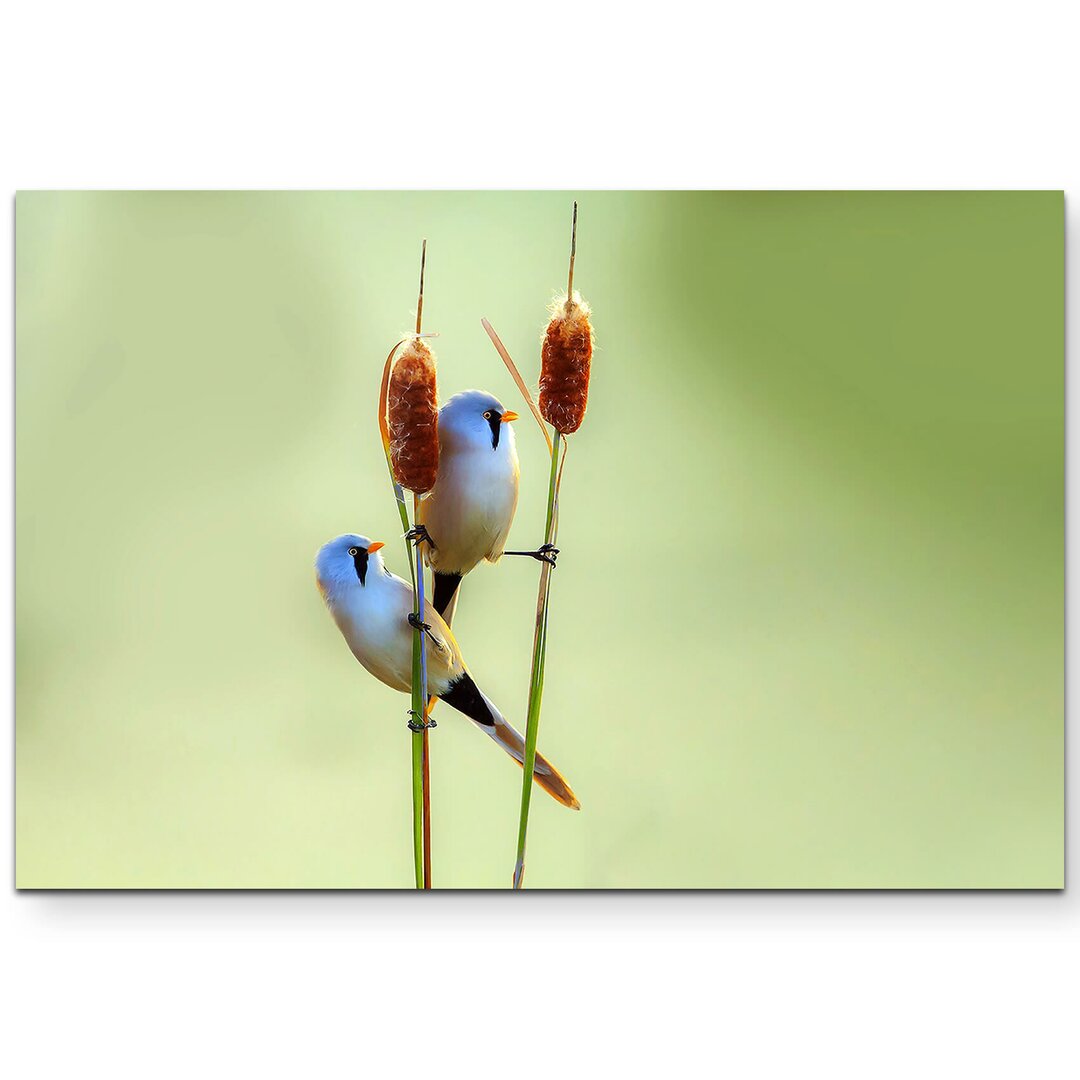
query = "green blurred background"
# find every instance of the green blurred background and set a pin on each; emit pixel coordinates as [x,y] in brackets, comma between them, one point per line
[807,626]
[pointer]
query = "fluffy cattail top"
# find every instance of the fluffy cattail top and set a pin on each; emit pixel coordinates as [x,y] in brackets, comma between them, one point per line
[565,362]
[412,414]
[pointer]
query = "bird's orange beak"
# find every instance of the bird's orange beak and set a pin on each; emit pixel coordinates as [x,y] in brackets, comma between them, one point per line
[375,547]
[508,416]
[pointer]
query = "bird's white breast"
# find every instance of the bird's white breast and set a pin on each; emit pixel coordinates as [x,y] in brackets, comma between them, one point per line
[471,507]
[376,629]
[374,620]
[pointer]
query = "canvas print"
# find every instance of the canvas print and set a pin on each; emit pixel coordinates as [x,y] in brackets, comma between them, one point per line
[539,540]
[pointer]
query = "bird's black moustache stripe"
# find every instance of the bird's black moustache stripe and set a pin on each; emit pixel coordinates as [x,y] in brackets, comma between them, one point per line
[495,423]
[360,560]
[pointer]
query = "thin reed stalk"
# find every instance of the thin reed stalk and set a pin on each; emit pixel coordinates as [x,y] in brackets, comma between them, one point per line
[411,457]
[539,657]
[418,817]
[566,359]
[420,759]
[500,348]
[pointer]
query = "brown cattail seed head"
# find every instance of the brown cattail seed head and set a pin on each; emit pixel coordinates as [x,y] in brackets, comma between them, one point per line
[565,362]
[412,415]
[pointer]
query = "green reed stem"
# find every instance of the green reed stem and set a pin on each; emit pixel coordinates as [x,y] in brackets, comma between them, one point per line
[539,656]
[419,678]
[420,773]
[419,708]
[419,700]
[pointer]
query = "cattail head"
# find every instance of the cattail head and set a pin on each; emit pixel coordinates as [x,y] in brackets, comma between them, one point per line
[412,414]
[565,362]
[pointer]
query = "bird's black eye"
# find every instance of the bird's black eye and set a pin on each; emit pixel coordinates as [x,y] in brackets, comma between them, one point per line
[352,552]
[487,415]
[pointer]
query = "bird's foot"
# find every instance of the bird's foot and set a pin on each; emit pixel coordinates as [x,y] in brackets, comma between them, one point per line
[545,553]
[418,624]
[420,724]
[418,534]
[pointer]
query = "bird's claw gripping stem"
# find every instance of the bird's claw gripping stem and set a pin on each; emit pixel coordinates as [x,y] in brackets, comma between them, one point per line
[419,725]
[418,624]
[418,534]
[545,553]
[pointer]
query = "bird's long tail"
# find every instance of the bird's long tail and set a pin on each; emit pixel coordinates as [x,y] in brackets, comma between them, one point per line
[465,696]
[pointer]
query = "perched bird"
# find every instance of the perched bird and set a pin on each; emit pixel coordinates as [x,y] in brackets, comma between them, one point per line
[374,612]
[466,516]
